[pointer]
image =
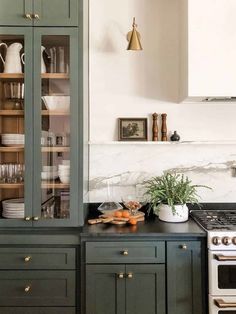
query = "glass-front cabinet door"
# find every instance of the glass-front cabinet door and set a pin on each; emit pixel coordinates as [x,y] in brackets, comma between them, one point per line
[16,146]
[56,109]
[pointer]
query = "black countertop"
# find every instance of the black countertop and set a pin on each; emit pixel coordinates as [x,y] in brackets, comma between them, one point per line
[149,228]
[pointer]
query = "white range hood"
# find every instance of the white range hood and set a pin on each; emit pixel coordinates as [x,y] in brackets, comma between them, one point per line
[207,50]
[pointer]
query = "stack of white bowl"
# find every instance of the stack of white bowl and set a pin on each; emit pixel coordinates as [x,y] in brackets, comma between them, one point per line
[13,139]
[64,171]
[13,208]
[49,173]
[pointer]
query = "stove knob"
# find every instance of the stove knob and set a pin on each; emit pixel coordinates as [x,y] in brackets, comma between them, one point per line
[227,241]
[234,240]
[216,240]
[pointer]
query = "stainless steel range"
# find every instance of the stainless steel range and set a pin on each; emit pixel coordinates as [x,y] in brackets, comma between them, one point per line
[221,229]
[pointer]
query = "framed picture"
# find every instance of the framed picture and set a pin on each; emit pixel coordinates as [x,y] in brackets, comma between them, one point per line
[133,129]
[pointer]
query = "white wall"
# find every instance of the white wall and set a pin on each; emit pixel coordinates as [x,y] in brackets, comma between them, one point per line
[136,84]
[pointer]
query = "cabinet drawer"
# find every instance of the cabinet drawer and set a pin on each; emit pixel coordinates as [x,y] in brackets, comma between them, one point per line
[37,288]
[37,310]
[125,252]
[37,258]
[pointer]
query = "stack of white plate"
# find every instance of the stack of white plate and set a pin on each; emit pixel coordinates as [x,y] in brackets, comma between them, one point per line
[64,173]
[13,139]
[49,173]
[13,208]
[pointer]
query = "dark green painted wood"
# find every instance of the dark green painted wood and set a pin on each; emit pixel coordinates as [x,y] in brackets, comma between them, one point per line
[25,32]
[48,288]
[37,310]
[138,252]
[56,12]
[184,273]
[145,291]
[40,258]
[75,154]
[12,13]
[105,292]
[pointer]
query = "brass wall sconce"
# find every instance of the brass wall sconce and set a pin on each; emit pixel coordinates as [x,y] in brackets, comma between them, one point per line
[133,38]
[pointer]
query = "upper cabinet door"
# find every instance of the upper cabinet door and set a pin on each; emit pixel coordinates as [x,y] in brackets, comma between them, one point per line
[57,181]
[55,12]
[16,158]
[16,13]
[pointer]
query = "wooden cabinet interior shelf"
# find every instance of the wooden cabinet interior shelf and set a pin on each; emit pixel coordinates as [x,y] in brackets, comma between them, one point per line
[54,113]
[11,75]
[55,76]
[11,185]
[14,149]
[60,149]
[55,185]
[11,112]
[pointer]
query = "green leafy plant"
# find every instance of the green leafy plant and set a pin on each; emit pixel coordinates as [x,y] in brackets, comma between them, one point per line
[171,189]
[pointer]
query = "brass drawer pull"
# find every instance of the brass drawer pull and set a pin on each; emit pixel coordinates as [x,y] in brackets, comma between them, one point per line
[129,275]
[36,218]
[120,275]
[183,247]
[27,289]
[27,218]
[125,252]
[27,259]
[36,16]
[28,16]
[222,304]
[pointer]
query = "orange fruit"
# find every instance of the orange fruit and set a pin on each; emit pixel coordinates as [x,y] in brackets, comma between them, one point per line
[133,221]
[125,214]
[118,214]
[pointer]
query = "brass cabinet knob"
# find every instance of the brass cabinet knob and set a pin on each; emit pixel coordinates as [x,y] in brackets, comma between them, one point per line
[27,259]
[129,275]
[120,275]
[183,247]
[36,218]
[36,16]
[28,16]
[125,252]
[27,288]
[27,218]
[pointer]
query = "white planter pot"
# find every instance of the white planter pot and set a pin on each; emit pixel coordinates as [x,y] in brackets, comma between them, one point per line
[180,215]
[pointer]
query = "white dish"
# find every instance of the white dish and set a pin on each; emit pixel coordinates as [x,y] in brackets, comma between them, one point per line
[65,180]
[65,162]
[49,168]
[49,175]
[57,103]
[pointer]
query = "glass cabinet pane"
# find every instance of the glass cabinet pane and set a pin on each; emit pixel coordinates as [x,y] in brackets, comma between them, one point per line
[55,127]
[12,126]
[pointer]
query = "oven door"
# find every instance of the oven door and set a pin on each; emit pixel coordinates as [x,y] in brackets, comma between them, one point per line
[222,273]
[222,305]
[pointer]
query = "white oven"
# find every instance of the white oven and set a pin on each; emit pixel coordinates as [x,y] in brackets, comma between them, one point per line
[222,273]
[222,305]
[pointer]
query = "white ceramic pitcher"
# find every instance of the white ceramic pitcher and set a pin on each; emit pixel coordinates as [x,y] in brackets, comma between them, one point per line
[12,62]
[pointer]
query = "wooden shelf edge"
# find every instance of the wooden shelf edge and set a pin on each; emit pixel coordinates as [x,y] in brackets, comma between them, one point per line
[11,185]
[55,185]
[12,112]
[12,75]
[55,76]
[60,149]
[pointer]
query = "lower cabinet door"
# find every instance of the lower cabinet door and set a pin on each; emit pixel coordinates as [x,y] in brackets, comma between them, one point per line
[145,289]
[37,288]
[184,278]
[105,289]
[37,310]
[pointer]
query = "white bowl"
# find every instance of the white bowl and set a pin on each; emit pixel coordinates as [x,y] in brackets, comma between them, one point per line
[64,179]
[49,168]
[57,103]
[49,175]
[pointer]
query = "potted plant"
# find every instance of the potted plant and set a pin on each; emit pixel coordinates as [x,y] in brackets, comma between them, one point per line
[168,195]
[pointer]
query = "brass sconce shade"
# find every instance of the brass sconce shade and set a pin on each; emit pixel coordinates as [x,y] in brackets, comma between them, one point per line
[133,38]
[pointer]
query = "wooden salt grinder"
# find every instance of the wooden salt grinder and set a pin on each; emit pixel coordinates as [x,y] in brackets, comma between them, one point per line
[154,127]
[164,128]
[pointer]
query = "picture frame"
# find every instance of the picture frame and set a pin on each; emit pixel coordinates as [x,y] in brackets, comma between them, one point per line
[133,129]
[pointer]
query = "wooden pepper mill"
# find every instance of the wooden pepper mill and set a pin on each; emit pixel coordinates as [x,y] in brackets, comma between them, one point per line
[164,128]
[154,127]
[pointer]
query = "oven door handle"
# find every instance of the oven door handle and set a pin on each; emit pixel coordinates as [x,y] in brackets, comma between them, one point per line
[224,258]
[222,304]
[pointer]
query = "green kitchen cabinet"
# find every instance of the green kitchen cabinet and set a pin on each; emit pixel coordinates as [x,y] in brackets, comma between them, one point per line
[125,289]
[39,13]
[184,277]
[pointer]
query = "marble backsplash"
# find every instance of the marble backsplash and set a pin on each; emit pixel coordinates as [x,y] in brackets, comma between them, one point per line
[125,166]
